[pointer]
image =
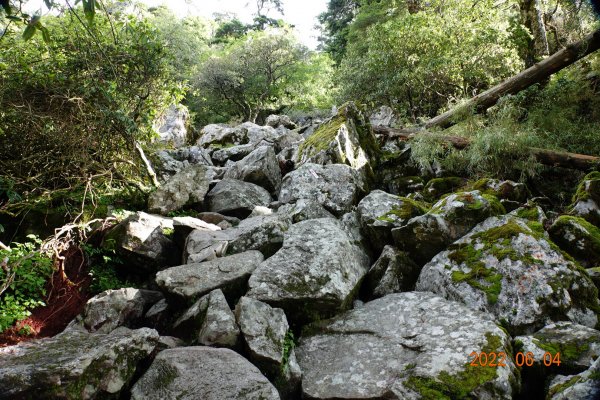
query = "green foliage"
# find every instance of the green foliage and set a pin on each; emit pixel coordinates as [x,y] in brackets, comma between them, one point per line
[72,110]
[104,269]
[262,71]
[420,60]
[23,276]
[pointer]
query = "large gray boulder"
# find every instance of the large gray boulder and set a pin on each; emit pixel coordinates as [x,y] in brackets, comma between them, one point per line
[185,225]
[336,187]
[264,330]
[393,272]
[380,212]
[579,238]
[220,134]
[143,241]
[168,162]
[304,209]
[405,346]
[192,281]
[259,167]
[186,188]
[122,307]
[263,233]
[171,126]
[174,374]
[209,322]
[448,220]
[237,198]
[277,121]
[578,346]
[74,364]
[586,202]
[584,386]
[315,274]
[346,138]
[510,269]
[233,153]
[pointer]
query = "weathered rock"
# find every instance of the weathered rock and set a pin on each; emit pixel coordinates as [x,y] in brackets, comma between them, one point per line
[209,322]
[586,202]
[336,187]
[383,116]
[531,212]
[74,364]
[510,269]
[216,218]
[185,225]
[220,134]
[225,375]
[122,307]
[233,153]
[579,238]
[584,386]
[158,315]
[346,138]
[264,330]
[171,125]
[186,188]
[437,187]
[141,239]
[504,190]
[191,281]
[380,212]
[203,245]
[448,220]
[304,209]
[167,163]
[259,167]
[405,346]
[393,272]
[276,121]
[237,198]
[315,274]
[578,346]
[259,233]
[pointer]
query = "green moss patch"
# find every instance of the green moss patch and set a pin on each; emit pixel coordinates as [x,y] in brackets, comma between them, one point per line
[460,385]
[581,194]
[322,137]
[439,186]
[409,209]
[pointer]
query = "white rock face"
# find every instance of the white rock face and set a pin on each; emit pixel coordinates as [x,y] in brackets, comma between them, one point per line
[401,345]
[171,126]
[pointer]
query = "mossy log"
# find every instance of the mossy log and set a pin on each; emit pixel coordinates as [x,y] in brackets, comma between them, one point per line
[535,74]
[551,158]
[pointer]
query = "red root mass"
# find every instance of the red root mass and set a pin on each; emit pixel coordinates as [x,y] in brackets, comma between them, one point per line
[66,297]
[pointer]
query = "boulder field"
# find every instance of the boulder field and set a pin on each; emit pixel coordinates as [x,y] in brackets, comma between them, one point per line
[284,262]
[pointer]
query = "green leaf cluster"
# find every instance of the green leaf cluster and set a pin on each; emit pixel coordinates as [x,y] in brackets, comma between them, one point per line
[23,276]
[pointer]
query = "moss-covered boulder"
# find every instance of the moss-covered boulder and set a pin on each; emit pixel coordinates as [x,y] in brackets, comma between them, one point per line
[438,187]
[448,220]
[380,212]
[577,345]
[75,364]
[411,345]
[579,238]
[508,267]
[503,190]
[346,138]
[586,201]
[583,386]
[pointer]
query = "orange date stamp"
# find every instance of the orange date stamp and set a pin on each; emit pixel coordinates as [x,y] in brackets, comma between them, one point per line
[494,360]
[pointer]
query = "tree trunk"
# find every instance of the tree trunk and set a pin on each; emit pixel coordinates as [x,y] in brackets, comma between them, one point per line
[523,80]
[532,17]
[149,169]
[547,157]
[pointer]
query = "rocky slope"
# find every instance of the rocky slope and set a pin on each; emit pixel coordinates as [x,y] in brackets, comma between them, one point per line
[310,267]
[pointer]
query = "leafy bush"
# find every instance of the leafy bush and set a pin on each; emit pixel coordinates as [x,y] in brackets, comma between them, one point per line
[104,269]
[23,278]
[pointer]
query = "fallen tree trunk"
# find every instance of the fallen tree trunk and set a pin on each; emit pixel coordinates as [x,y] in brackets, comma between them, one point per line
[523,80]
[551,158]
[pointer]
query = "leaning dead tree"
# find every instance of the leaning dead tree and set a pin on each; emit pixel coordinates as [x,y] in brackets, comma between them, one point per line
[547,157]
[523,80]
